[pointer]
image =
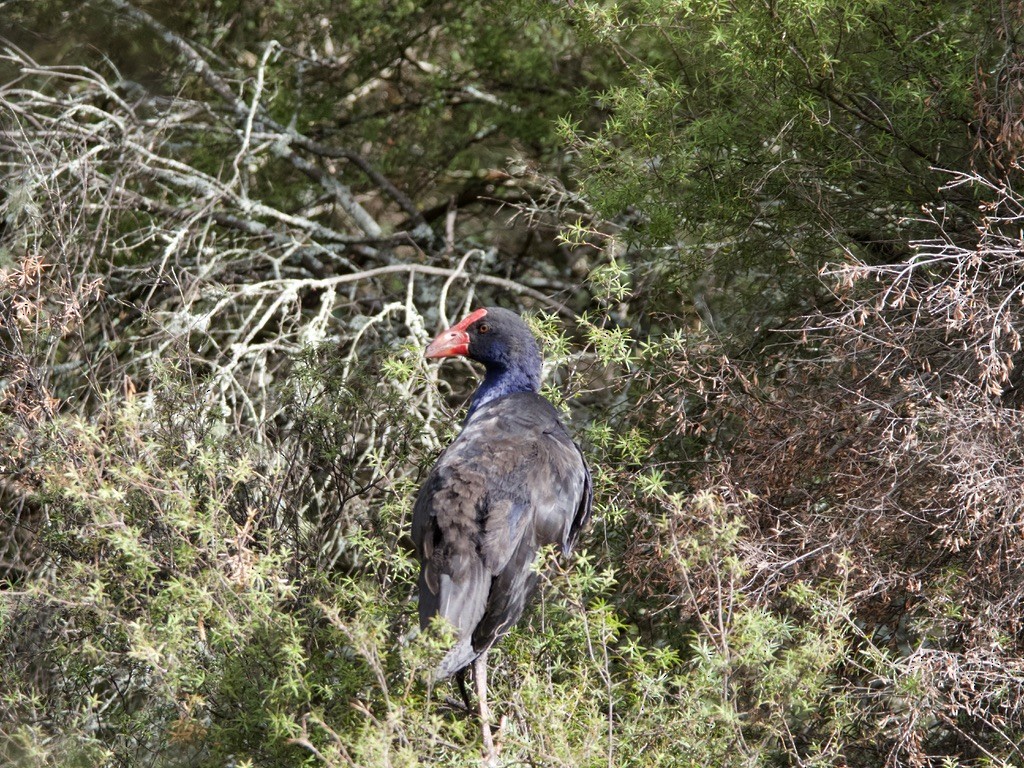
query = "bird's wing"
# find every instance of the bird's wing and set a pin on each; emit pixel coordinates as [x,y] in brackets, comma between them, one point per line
[583,509]
[562,501]
[512,482]
[517,475]
[454,581]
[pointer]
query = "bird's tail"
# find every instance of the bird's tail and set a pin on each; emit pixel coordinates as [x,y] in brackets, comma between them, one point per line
[462,603]
[459,657]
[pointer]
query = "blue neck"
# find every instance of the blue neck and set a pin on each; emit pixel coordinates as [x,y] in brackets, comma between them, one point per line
[500,381]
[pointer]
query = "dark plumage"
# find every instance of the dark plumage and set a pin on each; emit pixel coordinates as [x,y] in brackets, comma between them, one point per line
[512,482]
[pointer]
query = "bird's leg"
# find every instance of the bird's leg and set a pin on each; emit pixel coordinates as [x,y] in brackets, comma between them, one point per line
[480,677]
[460,679]
[458,705]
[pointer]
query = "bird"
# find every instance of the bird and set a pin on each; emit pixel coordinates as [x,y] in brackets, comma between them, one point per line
[512,482]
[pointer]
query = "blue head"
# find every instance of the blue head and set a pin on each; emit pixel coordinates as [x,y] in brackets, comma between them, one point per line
[503,343]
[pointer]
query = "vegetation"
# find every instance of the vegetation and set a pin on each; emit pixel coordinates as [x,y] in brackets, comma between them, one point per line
[774,250]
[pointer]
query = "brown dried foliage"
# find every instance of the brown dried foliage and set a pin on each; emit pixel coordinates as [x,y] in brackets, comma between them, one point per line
[886,448]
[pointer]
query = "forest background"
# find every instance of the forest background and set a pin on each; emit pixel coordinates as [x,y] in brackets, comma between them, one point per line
[774,249]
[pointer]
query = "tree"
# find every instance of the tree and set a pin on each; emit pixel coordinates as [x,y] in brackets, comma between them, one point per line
[754,143]
[856,163]
[773,251]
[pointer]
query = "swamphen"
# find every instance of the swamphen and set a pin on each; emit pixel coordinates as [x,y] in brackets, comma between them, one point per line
[512,482]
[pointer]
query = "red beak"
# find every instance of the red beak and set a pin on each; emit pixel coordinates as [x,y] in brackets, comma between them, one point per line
[454,341]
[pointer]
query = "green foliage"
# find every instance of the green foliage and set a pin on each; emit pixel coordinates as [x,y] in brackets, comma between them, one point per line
[752,142]
[196,627]
[805,547]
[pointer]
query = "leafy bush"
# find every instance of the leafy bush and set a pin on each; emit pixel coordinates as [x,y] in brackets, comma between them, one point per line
[789,340]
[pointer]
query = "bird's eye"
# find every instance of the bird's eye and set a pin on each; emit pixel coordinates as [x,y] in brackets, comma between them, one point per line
[483,328]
